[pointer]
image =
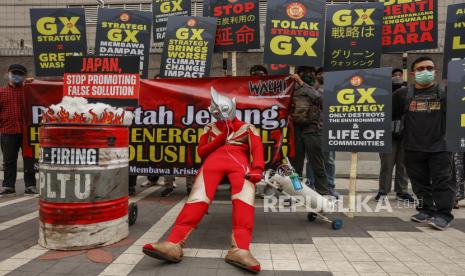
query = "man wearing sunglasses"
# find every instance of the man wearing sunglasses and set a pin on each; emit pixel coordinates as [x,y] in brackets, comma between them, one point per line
[423,110]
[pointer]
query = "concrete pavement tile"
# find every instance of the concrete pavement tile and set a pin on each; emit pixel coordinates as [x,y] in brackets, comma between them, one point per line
[230,272]
[118,269]
[37,266]
[332,256]
[450,269]
[357,256]
[266,264]
[374,274]
[340,266]
[344,273]
[63,268]
[407,257]
[260,246]
[209,253]
[286,265]
[394,267]
[23,273]
[13,264]
[190,252]
[382,257]
[205,263]
[125,258]
[143,273]
[314,265]
[261,254]
[422,267]
[367,267]
[309,255]
[199,272]
[304,247]
[283,255]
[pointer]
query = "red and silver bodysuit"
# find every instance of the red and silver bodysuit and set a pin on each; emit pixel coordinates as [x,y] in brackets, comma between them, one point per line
[228,149]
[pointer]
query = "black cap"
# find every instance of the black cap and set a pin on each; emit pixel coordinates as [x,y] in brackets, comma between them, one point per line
[17,68]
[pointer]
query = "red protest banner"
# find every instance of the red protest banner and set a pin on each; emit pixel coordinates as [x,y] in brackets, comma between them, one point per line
[172,113]
[238,24]
[410,25]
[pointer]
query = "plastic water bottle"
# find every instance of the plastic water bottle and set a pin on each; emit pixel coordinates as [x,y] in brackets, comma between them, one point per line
[296,182]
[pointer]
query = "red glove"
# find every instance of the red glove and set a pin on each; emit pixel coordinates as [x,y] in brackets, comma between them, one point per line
[255,176]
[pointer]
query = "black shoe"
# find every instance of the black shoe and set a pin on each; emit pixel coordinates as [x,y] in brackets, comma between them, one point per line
[7,192]
[439,223]
[167,191]
[30,191]
[132,191]
[333,193]
[380,196]
[421,217]
[405,197]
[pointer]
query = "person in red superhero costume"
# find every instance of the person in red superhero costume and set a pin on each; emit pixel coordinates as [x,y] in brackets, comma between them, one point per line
[232,148]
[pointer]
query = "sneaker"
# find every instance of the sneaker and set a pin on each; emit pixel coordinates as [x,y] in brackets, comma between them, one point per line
[167,191]
[421,217]
[439,223]
[405,197]
[7,192]
[30,191]
[380,196]
[333,193]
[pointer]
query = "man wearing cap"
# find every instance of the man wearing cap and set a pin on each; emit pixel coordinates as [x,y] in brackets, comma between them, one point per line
[11,129]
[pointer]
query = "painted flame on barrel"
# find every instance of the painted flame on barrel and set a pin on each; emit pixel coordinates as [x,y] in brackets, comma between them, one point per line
[63,116]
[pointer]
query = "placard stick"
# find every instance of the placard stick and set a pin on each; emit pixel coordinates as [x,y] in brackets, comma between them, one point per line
[404,67]
[292,69]
[234,63]
[225,63]
[353,184]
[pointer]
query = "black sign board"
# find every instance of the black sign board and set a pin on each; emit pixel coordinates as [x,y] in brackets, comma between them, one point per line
[188,48]
[162,9]
[357,110]
[294,32]
[124,33]
[353,36]
[57,33]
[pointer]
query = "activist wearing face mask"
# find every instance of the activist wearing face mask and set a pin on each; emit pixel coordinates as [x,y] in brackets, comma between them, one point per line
[422,107]
[395,158]
[11,128]
[307,119]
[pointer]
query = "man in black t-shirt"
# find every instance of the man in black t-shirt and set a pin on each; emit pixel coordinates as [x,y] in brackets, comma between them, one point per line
[423,110]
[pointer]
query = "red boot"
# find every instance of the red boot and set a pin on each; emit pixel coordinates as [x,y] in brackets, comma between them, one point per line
[167,251]
[243,259]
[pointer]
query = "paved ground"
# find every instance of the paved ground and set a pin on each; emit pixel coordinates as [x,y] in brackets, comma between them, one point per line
[384,243]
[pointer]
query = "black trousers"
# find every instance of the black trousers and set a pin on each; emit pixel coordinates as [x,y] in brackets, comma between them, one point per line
[430,174]
[11,144]
[311,146]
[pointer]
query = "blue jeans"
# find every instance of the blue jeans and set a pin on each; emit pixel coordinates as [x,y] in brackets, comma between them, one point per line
[330,169]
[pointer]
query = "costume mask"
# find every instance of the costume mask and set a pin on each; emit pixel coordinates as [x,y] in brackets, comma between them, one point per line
[222,107]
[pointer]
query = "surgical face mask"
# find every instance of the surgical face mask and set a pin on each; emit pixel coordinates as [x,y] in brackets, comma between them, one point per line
[424,77]
[308,79]
[16,79]
[397,80]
